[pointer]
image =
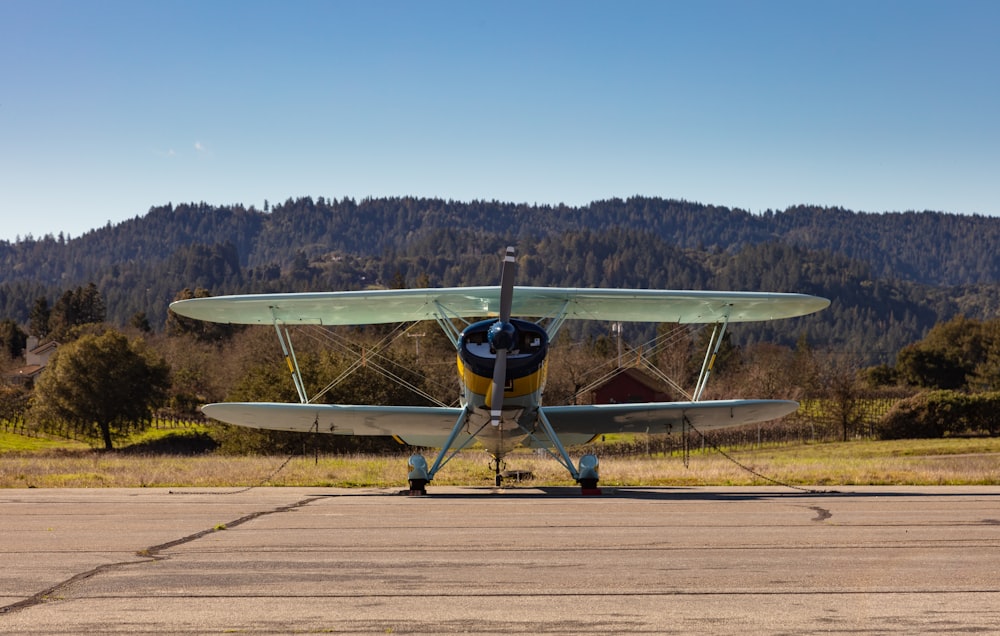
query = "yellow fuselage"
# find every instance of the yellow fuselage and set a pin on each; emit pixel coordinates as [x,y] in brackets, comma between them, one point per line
[525,380]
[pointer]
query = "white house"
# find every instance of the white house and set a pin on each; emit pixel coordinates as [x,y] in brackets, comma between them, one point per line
[36,357]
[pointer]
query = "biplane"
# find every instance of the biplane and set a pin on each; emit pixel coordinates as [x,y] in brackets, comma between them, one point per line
[501,335]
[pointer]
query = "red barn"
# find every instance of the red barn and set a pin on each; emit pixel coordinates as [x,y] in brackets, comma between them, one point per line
[630,385]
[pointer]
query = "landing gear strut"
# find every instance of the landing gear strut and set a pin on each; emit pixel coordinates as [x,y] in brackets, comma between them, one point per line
[498,466]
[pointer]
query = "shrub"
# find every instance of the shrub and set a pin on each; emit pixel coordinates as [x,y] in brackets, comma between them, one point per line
[942,413]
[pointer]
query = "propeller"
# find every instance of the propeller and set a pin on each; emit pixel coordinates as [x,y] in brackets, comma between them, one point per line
[502,334]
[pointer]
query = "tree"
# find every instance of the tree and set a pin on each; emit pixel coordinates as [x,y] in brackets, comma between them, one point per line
[104,385]
[13,402]
[38,321]
[952,354]
[769,373]
[12,339]
[573,366]
[842,388]
[89,304]
[140,321]
[82,306]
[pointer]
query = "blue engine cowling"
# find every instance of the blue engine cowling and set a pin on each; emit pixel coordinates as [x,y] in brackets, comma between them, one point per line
[526,343]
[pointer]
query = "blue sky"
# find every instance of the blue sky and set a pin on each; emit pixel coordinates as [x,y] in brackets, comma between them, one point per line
[108,108]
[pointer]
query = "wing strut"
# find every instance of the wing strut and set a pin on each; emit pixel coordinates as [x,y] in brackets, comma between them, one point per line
[441,459]
[293,364]
[563,455]
[444,320]
[555,321]
[718,331]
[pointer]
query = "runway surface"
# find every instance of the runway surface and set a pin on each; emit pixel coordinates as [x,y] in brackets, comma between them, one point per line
[516,561]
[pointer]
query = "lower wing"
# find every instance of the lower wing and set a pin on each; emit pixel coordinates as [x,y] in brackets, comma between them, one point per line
[663,417]
[415,425]
[431,426]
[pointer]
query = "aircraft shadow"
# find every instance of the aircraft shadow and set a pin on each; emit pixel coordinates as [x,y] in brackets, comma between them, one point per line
[660,493]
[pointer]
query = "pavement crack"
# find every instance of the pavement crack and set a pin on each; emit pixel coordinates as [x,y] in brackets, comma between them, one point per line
[47,593]
[154,551]
[146,555]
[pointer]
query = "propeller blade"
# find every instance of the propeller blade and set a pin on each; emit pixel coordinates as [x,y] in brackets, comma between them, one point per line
[507,274]
[499,379]
[502,335]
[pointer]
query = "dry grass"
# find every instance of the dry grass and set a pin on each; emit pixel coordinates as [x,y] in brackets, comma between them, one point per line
[915,462]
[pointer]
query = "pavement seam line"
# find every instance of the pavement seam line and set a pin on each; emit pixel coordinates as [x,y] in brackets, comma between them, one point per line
[147,555]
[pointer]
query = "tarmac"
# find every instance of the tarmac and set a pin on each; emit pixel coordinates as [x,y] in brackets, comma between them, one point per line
[720,560]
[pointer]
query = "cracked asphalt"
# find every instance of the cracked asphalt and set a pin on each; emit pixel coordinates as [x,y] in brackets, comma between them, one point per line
[873,560]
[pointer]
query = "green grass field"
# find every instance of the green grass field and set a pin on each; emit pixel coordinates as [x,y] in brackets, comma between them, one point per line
[27,462]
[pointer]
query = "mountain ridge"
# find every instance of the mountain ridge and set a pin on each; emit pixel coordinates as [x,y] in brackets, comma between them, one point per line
[891,275]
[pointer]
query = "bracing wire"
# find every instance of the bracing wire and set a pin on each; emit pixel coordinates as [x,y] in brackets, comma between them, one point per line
[777,482]
[643,353]
[367,358]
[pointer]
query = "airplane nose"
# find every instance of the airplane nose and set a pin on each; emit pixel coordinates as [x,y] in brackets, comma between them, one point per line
[501,335]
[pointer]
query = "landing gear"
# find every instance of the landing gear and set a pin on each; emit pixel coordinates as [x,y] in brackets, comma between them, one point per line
[498,466]
[588,476]
[418,487]
[418,476]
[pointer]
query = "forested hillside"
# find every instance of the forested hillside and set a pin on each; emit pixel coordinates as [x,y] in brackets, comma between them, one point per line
[891,276]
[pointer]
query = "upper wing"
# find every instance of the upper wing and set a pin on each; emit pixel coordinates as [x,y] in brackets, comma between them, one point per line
[663,417]
[407,305]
